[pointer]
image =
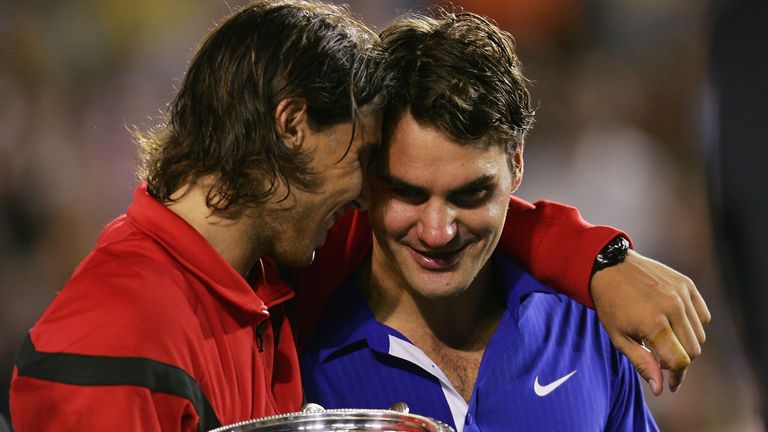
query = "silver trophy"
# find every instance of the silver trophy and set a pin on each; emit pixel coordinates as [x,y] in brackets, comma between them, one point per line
[313,417]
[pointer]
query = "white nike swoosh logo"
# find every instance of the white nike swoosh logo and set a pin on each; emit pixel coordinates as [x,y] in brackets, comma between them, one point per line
[543,390]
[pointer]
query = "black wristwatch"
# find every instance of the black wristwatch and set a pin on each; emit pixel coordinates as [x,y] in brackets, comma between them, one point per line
[612,254]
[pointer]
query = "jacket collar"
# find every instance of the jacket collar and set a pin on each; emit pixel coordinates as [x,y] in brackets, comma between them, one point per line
[190,249]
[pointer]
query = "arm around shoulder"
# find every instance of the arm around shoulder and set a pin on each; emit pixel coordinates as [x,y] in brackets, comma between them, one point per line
[555,244]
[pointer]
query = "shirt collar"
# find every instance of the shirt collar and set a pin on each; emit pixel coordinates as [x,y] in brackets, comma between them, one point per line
[348,319]
[193,252]
[516,283]
[518,286]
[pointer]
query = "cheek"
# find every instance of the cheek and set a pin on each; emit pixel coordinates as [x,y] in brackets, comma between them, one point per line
[354,185]
[348,183]
[392,218]
[498,210]
[489,221]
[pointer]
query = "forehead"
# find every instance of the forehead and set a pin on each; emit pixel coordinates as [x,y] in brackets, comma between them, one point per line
[418,150]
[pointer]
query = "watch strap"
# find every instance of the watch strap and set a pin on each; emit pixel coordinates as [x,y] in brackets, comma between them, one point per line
[613,253]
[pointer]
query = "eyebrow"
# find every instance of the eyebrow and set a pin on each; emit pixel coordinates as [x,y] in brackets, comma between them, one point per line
[478,184]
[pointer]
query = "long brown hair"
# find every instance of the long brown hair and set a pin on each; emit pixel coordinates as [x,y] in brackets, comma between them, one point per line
[222,120]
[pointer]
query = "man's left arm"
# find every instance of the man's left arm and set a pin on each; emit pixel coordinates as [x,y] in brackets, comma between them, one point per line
[639,301]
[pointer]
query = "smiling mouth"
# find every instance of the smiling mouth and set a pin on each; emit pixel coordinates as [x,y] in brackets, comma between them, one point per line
[438,261]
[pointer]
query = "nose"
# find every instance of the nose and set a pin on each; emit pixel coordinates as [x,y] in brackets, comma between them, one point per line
[437,224]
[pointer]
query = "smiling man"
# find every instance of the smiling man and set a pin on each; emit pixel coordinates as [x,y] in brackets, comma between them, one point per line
[177,319]
[435,317]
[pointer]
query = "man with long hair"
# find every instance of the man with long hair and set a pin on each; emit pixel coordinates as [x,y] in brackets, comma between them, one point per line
[177,319]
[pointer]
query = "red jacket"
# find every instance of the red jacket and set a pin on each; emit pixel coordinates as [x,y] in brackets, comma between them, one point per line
[155,331]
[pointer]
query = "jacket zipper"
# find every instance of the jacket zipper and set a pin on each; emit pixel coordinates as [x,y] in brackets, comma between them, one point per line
[260,336]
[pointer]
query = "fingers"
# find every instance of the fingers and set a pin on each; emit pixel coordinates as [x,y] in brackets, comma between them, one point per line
[696,325]
[681,321]
[684,327]
[645,363]
[702,311]
[696,311]
[671,355]
[676,378]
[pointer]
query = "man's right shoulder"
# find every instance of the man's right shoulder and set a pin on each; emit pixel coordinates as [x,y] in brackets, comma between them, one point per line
[122,244]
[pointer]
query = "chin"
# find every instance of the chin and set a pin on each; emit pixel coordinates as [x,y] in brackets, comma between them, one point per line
[306,259]
[429,291]
[296,258]
[439,285]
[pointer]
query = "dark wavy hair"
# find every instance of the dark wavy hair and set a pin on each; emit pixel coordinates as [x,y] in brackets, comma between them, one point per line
[222,120]
[458,72]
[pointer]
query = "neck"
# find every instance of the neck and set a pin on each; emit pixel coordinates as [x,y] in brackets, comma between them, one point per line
[453,332]
[233,238]
[464,322]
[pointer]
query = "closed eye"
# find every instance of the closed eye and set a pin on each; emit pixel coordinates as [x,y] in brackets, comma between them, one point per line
[471,199]
[474,194]
[405,192]
[410,195]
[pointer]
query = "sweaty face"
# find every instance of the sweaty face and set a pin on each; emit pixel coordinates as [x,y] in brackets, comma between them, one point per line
[437,209]
[301,222]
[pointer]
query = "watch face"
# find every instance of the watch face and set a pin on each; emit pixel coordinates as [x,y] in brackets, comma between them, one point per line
[612,254]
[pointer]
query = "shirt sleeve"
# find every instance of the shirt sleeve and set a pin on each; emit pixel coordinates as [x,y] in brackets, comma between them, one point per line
[555,245]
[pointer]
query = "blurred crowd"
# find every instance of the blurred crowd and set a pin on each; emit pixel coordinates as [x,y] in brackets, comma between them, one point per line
[620,87]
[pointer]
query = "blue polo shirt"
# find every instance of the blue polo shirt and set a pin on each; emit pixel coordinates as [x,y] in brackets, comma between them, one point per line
[549,366]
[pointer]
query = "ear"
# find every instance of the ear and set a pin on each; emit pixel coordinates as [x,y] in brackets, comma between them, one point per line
[291,120]
[518,172]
